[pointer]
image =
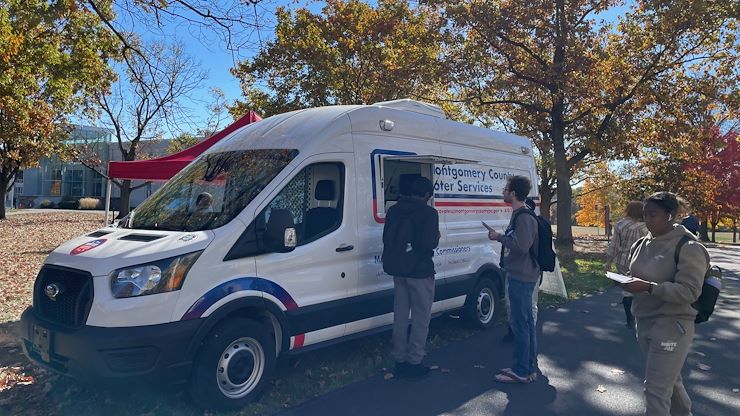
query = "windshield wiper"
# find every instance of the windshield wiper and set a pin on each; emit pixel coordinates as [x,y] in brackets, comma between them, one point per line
[160,228]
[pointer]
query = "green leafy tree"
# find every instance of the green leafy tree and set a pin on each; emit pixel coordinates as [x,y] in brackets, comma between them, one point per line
[576,84]
[350,53]
[181,142]
[53,59]
[690,147]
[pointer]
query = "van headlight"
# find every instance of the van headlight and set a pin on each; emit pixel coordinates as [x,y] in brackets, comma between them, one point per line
[150,278]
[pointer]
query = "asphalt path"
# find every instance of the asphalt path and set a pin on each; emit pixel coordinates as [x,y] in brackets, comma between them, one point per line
[590,362]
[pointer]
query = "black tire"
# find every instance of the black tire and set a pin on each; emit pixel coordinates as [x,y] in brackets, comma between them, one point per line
[481,304]
[233,366]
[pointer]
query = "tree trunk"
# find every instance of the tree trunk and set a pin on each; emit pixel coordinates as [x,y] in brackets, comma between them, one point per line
[545,202]
[565,195]
[703,234]
[2,206]
[734,230]
[564,239]
[3,191]
[125,201]
[714,232]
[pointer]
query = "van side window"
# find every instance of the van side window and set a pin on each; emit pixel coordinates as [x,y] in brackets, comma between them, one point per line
[313,199]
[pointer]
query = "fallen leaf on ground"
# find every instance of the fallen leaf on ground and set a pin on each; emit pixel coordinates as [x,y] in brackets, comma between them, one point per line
[584,311]
[614,304]
[704,367]
[479,366]
[433,367]
[601,389]
[444,370]
[712,339]
[616,371]
[736,390]
[699,353]
[13,376]
[388,376]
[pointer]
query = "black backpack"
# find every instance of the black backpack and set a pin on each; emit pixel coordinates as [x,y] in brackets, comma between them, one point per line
[398,256]
[545,257]
[710,288]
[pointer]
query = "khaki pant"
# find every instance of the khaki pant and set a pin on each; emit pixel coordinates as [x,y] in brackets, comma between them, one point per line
[665,343]
[415,296]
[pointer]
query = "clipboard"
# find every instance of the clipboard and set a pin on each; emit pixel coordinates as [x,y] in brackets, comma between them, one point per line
[619,277]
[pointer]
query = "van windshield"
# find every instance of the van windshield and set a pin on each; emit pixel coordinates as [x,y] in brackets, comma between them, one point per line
[211,191]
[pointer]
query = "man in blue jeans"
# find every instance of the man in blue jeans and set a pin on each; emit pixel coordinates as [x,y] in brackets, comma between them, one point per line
[523,274]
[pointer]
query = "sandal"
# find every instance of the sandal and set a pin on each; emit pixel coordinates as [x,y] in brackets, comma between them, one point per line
[532,377]
[511,378]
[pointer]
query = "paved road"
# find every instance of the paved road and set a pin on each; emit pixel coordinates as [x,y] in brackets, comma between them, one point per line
[583,345]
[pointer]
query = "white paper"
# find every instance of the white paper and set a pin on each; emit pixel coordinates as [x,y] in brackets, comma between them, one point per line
[618,277]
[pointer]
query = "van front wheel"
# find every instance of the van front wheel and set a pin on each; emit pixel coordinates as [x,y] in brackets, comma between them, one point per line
[233,366]
[480,307]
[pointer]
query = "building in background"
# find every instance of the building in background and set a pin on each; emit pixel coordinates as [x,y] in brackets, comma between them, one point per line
[56,180]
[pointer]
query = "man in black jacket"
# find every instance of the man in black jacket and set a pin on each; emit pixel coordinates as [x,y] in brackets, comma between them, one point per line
[414,291]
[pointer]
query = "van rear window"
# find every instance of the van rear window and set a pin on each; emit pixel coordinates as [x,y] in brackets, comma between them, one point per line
[211,191]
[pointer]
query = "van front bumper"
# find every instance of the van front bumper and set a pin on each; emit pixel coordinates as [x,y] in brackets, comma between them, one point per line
[155,352]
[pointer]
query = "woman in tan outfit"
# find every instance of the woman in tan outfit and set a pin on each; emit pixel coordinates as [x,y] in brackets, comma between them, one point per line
[664,291]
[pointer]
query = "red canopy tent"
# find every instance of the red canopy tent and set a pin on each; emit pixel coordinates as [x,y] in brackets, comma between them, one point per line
[164,168]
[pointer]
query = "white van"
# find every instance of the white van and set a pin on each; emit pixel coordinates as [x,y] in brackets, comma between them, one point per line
[283,255]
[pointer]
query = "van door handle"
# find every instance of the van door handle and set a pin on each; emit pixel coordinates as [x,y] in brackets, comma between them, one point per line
[345,247]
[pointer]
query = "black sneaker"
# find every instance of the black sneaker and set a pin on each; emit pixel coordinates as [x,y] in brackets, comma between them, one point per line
[416,371]
[400,370]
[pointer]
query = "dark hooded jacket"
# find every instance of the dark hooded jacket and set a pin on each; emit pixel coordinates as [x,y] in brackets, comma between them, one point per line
[426,232]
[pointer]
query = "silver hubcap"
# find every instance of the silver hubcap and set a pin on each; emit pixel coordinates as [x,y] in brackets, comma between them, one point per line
[484,305]
[240,367]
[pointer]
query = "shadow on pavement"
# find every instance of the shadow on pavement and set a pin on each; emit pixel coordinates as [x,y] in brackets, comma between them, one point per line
[591,365]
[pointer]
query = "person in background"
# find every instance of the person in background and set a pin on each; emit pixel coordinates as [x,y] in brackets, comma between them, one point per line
[523,276]
[688,219]
[665,285]
[627,230]
[204,202]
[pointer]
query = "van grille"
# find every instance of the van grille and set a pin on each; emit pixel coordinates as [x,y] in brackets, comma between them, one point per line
[72,305]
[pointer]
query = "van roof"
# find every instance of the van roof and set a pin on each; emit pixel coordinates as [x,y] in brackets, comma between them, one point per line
[300,129]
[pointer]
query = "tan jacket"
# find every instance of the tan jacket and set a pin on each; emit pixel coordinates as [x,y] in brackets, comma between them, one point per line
[678,287]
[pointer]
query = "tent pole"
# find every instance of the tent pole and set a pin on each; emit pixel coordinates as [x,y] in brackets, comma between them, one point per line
[107,202]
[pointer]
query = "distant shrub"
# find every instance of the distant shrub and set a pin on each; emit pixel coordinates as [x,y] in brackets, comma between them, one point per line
[45,204]
[68,204]
[89,203]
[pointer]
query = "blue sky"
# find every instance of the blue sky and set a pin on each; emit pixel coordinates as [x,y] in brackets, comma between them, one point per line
[214,57]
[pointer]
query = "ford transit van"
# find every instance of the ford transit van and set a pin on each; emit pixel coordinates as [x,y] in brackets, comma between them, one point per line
[270,243]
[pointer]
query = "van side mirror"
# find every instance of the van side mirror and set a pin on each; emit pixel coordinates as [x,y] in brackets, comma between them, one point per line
[280,234]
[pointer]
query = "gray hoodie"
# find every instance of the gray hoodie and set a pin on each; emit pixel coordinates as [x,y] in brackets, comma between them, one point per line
[678,286]
[516,242]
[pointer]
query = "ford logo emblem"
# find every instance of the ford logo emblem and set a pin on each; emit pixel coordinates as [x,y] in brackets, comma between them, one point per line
[52,290]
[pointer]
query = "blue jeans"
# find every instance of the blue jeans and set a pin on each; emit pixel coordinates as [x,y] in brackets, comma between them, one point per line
[523,327]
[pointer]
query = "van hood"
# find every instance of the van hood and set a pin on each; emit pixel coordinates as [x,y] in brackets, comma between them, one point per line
[109,248]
